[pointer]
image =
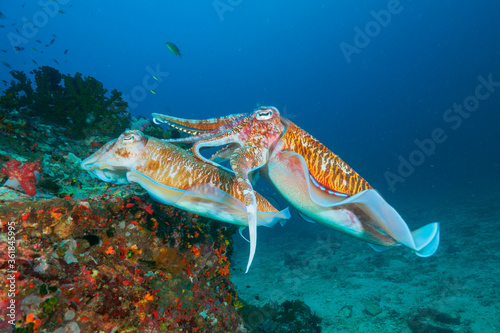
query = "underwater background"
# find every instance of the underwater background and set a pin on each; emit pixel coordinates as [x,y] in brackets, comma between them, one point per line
[406,92]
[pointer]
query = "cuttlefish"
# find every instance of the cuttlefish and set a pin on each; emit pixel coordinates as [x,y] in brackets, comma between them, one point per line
[175,177]
[247,140]
[320,185]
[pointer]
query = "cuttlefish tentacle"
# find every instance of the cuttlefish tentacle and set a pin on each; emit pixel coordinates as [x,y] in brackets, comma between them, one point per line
[254,134]
[243,161]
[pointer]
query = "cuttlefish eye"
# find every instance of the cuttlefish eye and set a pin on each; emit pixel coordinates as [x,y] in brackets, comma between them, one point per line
[128,137]
[264,114]
[131,136]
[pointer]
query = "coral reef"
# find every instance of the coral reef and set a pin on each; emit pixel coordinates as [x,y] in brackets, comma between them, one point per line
[433,321]
[93,257]
[22,175]
[101,262]
[289,316]
[81,104]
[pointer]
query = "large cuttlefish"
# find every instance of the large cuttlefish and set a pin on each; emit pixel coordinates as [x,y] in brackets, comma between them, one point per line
[174,177]
[320,185]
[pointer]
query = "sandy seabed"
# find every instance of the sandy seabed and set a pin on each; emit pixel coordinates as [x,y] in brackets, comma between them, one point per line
[354,288]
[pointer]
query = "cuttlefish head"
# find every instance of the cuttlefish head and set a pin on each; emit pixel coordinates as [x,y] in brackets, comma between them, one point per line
[115,159]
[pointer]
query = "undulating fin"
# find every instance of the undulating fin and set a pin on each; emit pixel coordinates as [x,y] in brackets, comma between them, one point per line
[305,218]
[427,239]
[269,220]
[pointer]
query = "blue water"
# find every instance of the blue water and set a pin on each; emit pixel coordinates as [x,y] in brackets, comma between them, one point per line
[368,98]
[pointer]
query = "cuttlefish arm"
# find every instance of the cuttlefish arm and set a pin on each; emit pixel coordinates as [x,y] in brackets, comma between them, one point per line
[199,128]
[174,177]
[201,125]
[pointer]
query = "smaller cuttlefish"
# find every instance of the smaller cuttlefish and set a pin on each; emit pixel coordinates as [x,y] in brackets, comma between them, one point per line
[174,177]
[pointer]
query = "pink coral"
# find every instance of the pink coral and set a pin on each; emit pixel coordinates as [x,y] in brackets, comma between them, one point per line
[24,175]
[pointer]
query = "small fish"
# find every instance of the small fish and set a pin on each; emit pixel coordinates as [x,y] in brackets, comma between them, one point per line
[60,11]
[34,49]
[55,61]
[2,16]
[2,26]
[18,48]
[157,79]
[6,64]
[174,49]
[4,82]
[4,51]
[38,41]
[34,62]
[153,92]
[52,41]
[66,51]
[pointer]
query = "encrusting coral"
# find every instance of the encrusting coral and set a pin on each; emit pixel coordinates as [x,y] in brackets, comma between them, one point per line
[22,175]
[93,257]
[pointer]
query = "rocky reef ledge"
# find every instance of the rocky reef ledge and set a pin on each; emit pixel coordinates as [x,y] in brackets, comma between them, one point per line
[81,256]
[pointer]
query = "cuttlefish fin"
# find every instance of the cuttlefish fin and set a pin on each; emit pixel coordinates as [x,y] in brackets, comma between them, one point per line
[305,218]
[205,196]
[165,194]
[269,220]
[423,241]
[426,238]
